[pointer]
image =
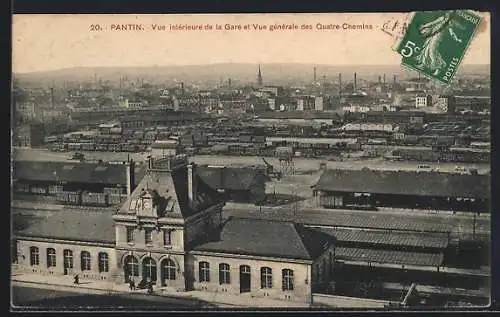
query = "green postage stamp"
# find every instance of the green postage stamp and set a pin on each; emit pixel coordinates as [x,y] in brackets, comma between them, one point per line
[435,42]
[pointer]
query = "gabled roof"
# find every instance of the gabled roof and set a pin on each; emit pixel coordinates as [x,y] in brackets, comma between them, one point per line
[169,190]
[70,172]
[266,238]
[230,178]
[73,225]
[406,183]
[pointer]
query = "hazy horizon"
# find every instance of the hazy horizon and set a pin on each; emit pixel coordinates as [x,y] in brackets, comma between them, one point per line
[55,42]
[227,63]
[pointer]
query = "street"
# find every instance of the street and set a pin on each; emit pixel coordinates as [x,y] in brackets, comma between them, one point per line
[34,298]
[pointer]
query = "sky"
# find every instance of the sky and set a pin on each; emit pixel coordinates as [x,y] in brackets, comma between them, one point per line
[51,42]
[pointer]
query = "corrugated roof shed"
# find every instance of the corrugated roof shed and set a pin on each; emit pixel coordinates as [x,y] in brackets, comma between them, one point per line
[70,172]
[390,257]
[266,238]
[406,183]
[411,239]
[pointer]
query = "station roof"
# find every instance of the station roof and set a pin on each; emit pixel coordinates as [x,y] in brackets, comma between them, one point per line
[406,183]
[70,172]
[73,225]
[411,239]
[266,238]
[383,221]
[389,257]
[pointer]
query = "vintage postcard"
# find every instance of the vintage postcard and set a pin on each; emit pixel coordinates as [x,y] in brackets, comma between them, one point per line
[251,161]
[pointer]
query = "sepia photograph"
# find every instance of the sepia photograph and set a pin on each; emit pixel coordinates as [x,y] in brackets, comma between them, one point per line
[194,162]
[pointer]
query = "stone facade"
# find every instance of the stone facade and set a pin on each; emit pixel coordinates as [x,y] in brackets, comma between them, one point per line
[301,276]
[68,267]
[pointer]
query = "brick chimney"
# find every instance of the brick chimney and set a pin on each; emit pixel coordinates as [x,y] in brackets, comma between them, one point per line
[130,170]
[191,182]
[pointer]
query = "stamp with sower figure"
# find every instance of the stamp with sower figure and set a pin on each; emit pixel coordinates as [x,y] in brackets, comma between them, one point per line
[435,42]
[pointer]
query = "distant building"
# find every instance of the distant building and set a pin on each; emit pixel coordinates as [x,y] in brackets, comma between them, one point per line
[305,103]
[29,135]
[126,103]
[446,104]
[318,103]
[422,101]
[162,148]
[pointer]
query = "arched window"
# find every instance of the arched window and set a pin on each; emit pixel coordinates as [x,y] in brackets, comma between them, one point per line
[68,259]
[149,269]
[266,277]
[168,269]
[103,262]
[224,273]
[34,256]
[287,277]
[204,272]
[131,266]
[51,257]
[85,261]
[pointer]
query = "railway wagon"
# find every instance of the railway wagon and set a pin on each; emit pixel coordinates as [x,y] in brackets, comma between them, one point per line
[69,198]
[55,189]
[101,148]
[252,151]
[38,190]
[88,146]
[74,146]
[94,199]
[114,199]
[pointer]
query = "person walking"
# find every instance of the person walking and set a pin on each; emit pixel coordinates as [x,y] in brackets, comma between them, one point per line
[76,279]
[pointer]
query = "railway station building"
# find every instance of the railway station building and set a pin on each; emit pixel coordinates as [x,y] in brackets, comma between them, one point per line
[170,231]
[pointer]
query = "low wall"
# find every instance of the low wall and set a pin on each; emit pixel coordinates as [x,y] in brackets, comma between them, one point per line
[348,302]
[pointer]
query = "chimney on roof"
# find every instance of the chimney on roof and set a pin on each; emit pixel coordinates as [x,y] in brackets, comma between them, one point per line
[191,169]
[130,176]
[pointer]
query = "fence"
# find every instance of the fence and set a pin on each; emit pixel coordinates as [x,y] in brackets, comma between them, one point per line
[349,302]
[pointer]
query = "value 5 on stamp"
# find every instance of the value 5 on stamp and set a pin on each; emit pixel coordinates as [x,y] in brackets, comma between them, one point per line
[435,42]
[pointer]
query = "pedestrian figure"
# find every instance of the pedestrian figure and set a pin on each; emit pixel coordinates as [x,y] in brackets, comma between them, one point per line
[133,284]
[150,288]
[130,284]
[76,279]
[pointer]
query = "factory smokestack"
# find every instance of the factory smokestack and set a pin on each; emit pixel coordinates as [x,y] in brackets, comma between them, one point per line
[52,97]
[355,82]
[229,82]
[394,83]
[182,87]
[340,85]
[314,79]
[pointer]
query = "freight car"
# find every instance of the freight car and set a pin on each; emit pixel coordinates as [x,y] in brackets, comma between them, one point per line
[69,198]
[114,199]
[94,199]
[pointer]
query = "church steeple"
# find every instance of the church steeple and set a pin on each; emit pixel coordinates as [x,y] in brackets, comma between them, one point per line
[259,77]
